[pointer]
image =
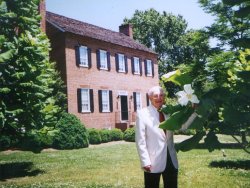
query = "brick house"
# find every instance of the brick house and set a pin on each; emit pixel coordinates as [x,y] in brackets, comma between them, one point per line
[107,74]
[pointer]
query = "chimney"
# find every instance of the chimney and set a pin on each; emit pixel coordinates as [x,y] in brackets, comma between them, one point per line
[42,11]
[127,30]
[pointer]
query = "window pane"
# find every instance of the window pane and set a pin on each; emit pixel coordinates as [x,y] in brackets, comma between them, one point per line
[85,100]
[149,68]
[136,65]
[121,60]
[103,60]
[138,101]
[83,56]
[105,101]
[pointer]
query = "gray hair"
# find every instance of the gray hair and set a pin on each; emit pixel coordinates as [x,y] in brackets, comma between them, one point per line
[155,90]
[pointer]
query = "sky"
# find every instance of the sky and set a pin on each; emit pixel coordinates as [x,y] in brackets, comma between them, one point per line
[109,14]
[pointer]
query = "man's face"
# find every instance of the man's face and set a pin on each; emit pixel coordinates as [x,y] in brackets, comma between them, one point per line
[157,100]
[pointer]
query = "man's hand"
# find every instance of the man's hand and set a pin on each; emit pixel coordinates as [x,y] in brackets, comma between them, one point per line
[147,168]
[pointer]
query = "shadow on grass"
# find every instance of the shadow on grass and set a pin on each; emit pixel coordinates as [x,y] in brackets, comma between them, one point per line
[239,164]
[17,169]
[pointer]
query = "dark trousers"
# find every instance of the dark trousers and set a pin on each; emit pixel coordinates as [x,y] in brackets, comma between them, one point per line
[169,175]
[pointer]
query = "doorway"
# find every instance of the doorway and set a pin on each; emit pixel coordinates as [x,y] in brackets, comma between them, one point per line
[124,107]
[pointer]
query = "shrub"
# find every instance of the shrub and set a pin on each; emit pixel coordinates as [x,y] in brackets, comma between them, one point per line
[94,136]
[116,134]
[5,142]
[185,132]
[129,135]
[105,135]
[32,141]
[72,133]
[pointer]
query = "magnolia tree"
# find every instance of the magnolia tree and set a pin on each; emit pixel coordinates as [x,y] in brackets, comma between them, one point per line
[221,108]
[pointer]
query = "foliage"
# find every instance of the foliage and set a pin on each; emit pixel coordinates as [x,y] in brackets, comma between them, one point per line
[105,135]
[166,34]
[116,134]
[31,92]
[129,135]
[94,136]
[232,22]
[7,141]
[72,133]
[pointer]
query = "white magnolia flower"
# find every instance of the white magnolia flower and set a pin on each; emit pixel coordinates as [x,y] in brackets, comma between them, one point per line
[168,75]
[187,95]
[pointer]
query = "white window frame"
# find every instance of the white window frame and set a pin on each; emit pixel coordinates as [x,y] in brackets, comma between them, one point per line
[83,53]
[149,67]
[138,101]
[85,100]
[121,62]
[105,101]
[136,65]
[103,60]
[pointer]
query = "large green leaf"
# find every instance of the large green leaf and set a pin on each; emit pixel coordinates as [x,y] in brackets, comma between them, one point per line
[179,78]
[190,143]
[211,141]
[170,109]
[6,55]
[234,116]
[176,120]
[197,124]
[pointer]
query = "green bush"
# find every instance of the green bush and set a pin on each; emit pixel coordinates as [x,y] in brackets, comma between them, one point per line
[185,132]
[32,141]
[5,142]
[94,136]
[129,135]
[105,135]
[72,133]
[116,134]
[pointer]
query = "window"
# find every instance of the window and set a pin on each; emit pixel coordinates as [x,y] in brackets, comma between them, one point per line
[136,65]
[103,60]
[149,68]
[85,100]
[137,101]
[121,63]
[105,101]
[83,56]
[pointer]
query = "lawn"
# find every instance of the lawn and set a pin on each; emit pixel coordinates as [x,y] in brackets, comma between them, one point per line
[117,165]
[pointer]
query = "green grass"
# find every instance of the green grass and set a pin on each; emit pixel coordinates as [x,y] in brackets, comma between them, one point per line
[117,165]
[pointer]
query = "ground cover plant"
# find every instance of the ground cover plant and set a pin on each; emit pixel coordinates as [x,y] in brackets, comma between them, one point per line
[116,164]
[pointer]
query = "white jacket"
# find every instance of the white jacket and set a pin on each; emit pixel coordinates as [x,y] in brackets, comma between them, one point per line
[152,142]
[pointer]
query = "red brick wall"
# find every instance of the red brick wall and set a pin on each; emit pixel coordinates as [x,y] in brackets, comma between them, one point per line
[79,77]
[99,79]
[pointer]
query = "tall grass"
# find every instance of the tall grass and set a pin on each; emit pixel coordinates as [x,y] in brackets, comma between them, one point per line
[117,165]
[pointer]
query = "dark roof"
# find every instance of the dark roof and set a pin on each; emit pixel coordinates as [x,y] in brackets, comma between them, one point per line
[88,30]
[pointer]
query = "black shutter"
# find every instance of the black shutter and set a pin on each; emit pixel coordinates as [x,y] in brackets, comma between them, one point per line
[117,62]
[132,65]
[134,97]
[140,65]
[152,69]
[77,52]
[110,101]
[147,98]
[79,100]
[100,100]
[126,64]
[91,96]
[146,68]
[89,58]
[98,59]
[108,61]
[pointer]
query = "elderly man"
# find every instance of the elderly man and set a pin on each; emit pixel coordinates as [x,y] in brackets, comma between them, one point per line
[154,145]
